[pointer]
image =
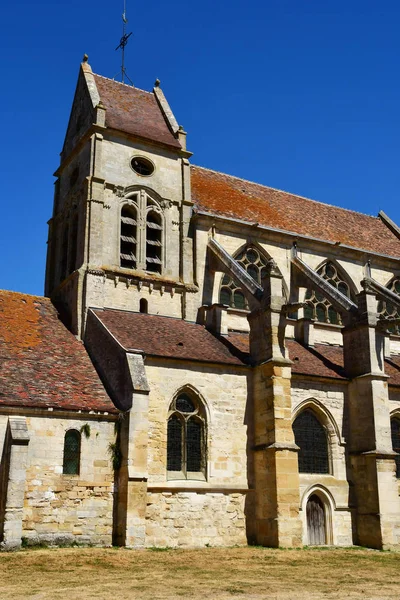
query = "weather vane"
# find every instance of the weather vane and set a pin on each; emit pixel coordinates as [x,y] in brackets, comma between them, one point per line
[123,42]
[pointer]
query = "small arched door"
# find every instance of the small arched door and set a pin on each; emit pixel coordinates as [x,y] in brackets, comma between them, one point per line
[316,522]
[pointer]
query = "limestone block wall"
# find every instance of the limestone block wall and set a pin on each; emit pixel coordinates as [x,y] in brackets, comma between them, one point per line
[64,508]
[189,512]
[328,402]
[190,519]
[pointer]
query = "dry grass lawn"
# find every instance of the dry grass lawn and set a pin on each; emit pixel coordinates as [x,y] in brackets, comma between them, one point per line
[219,574]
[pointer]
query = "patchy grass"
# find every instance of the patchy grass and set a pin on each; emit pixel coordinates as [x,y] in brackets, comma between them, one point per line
[220,574]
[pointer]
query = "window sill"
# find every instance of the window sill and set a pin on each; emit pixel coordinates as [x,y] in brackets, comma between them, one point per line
[179,476]
[194,486]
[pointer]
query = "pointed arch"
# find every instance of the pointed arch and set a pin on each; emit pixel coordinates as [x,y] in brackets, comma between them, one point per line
[388,310]
[329,506]
[254,259]
[318,307]
[187,436]
[395,436]
[142,231]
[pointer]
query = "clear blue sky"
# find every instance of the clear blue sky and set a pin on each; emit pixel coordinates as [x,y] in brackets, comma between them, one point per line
[302,95]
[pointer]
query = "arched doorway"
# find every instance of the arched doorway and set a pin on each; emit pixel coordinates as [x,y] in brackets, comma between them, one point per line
[316,521]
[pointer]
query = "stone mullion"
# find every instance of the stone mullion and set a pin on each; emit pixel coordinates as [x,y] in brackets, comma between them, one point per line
[141,231]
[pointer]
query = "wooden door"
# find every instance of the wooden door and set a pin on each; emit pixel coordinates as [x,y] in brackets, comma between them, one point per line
[316,526]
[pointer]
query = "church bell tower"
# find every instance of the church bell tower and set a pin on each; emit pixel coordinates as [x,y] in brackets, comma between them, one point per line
[119,235]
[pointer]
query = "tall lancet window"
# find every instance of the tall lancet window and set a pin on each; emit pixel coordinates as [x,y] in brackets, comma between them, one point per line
[312,440]
[128,239]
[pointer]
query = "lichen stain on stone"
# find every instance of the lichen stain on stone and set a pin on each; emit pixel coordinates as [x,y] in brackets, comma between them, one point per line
[20,315]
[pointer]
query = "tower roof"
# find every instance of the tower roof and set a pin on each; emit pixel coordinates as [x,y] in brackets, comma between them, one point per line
[134,111]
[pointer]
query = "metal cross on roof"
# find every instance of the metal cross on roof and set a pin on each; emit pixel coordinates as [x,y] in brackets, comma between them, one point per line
[123,42]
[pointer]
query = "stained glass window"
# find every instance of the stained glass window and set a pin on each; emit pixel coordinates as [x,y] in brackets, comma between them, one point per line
[72,452]
[186,437]
[389,310]
[395,427]
[254,263]
[311,438]
[318,307]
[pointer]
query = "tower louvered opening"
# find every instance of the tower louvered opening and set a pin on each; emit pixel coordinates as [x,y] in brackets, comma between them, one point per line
[153,242]
[128,240]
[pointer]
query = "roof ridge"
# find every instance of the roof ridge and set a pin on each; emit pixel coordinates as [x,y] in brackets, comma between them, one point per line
[25,294]
[132,87]
[268,187]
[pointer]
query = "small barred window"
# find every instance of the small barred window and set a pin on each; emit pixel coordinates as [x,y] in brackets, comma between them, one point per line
[311,438]
[255,264]
[395,429]
[318,307]
[387,310]
[186,443]
[72,452]
[128,239]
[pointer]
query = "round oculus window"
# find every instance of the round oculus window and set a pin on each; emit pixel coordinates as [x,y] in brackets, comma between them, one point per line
[142,166]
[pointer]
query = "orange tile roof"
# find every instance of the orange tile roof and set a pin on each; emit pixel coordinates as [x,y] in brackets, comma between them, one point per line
[42,364]
[134,111]
[228,196]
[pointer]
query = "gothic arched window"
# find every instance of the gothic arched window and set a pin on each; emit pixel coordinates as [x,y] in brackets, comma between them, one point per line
[395,430]
[141,239]
[388,310]
[186,439]
[72,452]
[255,263]
[318,307]
[311,438]
[128,239]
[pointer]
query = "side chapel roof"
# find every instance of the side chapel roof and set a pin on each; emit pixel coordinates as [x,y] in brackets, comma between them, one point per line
[42,364]
[232,197]
[169,337]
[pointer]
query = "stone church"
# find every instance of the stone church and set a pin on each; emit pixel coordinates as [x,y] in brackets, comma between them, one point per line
[215,362]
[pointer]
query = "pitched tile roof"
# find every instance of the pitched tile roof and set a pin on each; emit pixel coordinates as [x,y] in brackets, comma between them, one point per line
[134,111]
[42,364]
[165,336]
[229,196]
[320,360]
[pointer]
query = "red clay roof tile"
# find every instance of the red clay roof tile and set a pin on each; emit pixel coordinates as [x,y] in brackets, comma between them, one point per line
[165,336]
[42,364]
[236,198]
[134,111]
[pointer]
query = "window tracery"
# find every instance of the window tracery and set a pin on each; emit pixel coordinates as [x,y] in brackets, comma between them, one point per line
[186,439]
[318,307]
[387,310]
[255,264]
[141,234]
